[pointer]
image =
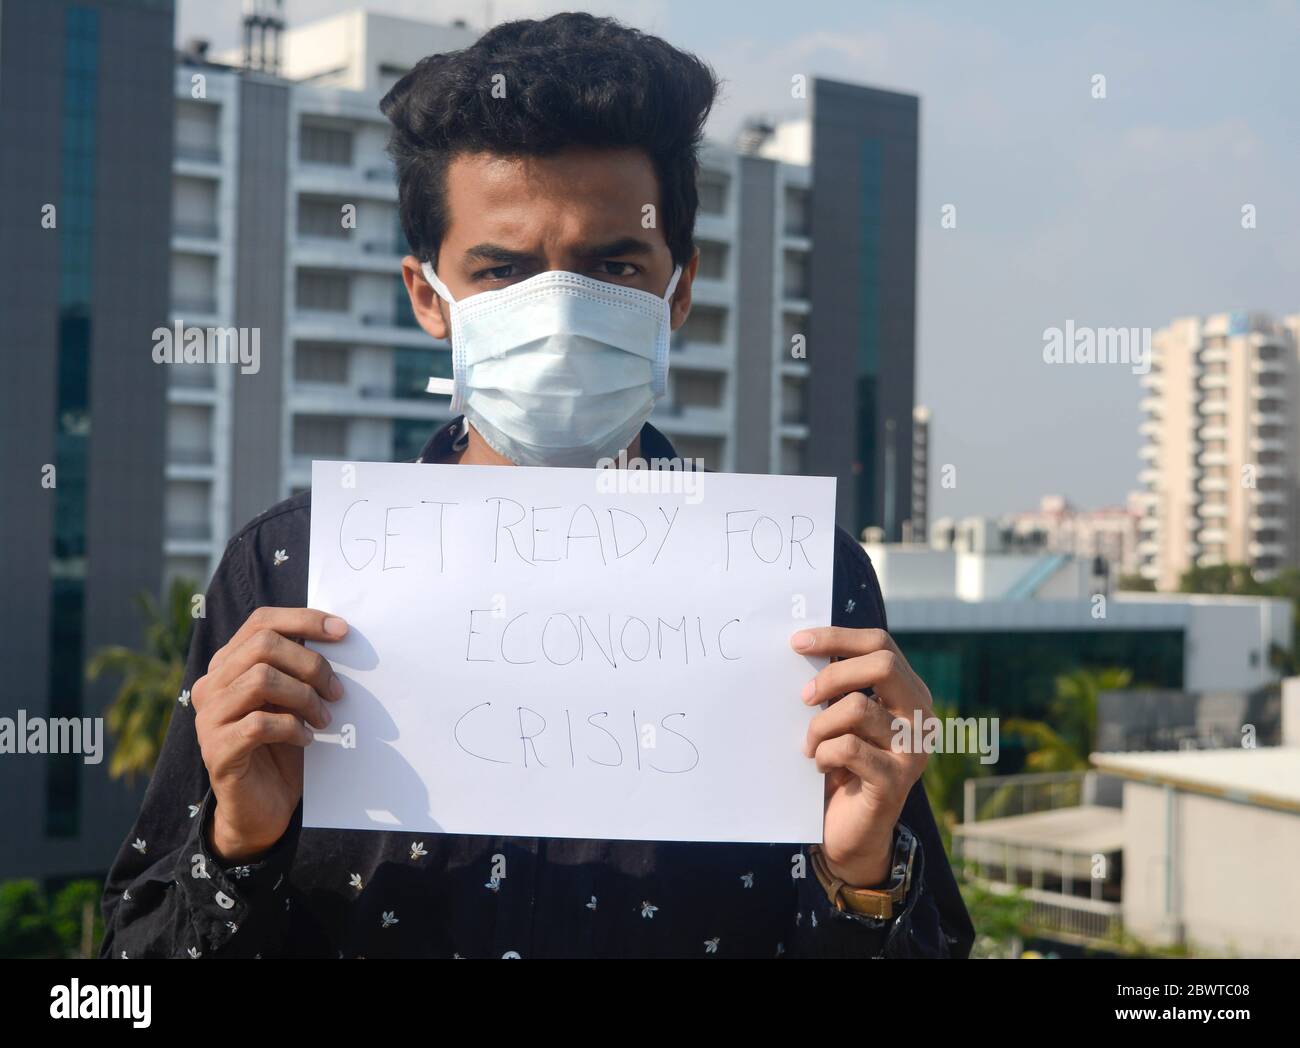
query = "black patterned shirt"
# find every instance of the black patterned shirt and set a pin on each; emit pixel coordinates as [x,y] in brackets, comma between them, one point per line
[352,893]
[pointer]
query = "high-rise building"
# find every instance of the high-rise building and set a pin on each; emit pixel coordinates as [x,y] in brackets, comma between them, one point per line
[1221,463]
[862,295]
[1058,527]
[917,527]
[267,167]
[85,158]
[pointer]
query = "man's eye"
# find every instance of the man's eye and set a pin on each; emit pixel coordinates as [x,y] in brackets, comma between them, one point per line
[499,272]
[617,269]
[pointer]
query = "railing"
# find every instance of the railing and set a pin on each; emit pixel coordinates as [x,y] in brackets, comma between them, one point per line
[1000,796]
[188,530]
[182,304]
[190,456]
[1066,915]
[195,230]
[207,154]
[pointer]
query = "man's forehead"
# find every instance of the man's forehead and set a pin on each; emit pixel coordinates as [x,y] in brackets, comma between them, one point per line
[575,181]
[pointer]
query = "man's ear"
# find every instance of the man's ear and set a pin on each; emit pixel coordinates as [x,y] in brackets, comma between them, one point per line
[681,303]
[425,302]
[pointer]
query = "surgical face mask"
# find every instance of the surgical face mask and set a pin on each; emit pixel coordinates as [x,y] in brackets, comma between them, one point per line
[559,369]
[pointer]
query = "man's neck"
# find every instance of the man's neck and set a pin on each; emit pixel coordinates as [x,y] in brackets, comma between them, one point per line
[477,451]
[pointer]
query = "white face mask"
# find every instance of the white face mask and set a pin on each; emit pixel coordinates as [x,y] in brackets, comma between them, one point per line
[559,369]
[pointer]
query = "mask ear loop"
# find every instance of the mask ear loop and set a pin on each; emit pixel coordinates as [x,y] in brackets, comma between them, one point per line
[445,387]
[432,279]
[660,381]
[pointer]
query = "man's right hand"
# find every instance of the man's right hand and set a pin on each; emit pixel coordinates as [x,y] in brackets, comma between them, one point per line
[250,708]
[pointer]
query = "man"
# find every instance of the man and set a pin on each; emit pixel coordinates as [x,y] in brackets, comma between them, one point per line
[527,165]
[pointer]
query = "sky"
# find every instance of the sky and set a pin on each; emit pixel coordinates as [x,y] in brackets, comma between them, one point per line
[1124,211]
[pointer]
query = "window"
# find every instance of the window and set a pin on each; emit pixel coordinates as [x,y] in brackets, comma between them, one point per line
[713,260]
[319,144]
[320,362]
[318,435]
[798,217]
[712,188]
[697,389]
[328,292]
[319,217]
[793,408]
[796,274]
[706,325]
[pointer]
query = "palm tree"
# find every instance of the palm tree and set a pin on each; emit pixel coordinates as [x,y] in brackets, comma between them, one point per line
[151,681]
[1065,742]
[945,778]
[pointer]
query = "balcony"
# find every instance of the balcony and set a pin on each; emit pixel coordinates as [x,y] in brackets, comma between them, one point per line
[1269,367]
[189,456]
[1038,836]
[201,154]
[194,229]
[188,530]
[191,305]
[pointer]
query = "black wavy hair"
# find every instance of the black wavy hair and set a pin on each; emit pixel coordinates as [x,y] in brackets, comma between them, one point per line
[570,80]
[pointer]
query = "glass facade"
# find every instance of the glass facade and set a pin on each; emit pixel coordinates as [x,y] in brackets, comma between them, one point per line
[868,349]
[409,437]
[412,368]
[72,417]
[1014,674]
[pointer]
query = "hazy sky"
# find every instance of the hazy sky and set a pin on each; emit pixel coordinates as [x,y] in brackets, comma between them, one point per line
[1119,212]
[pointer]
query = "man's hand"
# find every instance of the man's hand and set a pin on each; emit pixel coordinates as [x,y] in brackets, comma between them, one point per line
[866,780]
[250,708]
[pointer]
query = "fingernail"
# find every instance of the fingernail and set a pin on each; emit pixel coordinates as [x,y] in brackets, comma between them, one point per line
[325,715]
[809,690]
[803,640]
[335,688]
[335,627]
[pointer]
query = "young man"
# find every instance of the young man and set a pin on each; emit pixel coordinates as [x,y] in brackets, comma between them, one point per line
[530,162]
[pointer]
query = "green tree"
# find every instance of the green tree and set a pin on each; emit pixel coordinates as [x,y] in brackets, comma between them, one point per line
[76,920]
[1063,742]
[25,929]
[151,681]
[945,778]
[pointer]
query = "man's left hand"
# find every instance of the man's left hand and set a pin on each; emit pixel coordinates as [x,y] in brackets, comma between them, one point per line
[867,780]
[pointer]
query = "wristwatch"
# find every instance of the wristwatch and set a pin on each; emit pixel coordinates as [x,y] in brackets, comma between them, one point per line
[881,903]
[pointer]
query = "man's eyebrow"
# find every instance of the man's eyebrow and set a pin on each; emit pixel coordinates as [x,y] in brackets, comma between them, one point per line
[621,246]
[496,253]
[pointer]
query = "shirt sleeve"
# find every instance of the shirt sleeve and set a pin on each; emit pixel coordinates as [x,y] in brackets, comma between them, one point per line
[166,895]
[820,930]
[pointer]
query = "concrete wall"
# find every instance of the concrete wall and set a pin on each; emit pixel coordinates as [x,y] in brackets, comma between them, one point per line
[1232,888]
[755,260]
[260,296]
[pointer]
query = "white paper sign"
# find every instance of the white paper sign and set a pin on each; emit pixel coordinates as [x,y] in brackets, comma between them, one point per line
[545,653]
